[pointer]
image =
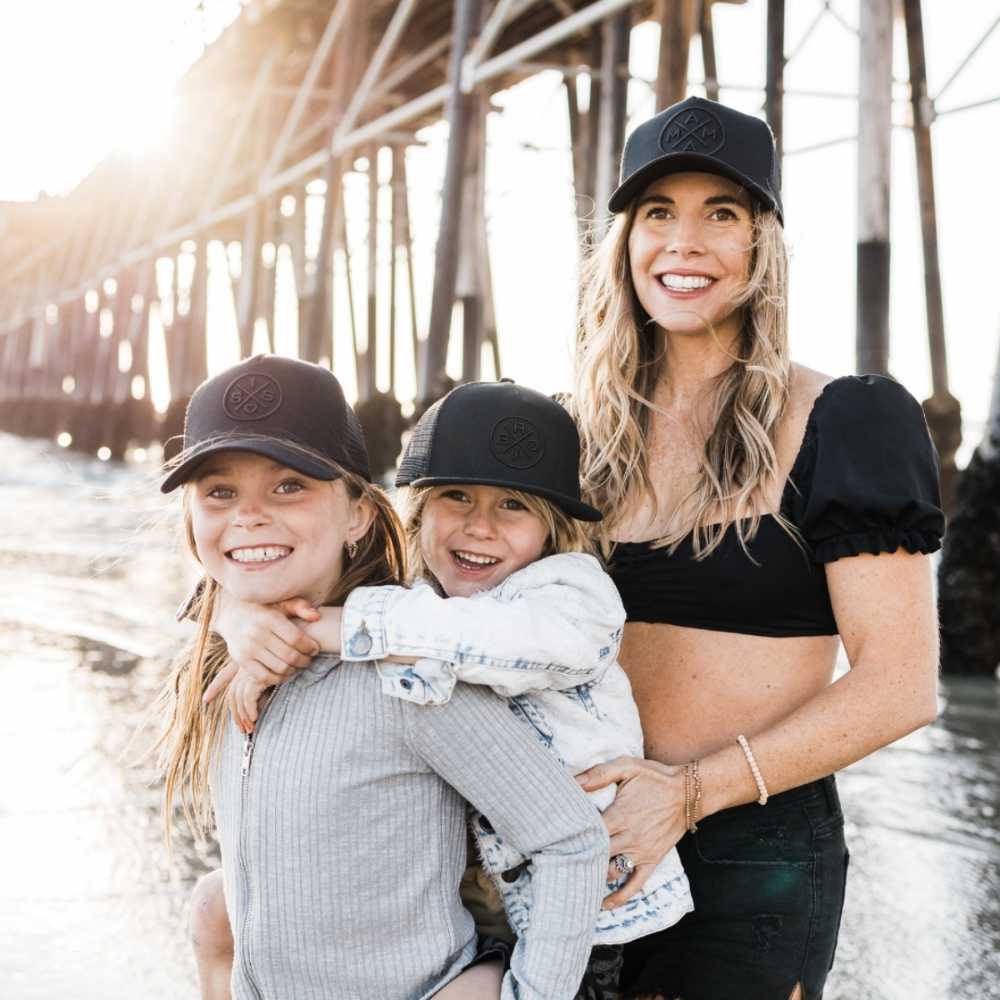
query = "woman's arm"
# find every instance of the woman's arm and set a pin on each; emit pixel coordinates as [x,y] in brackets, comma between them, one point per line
[491,759]
[885,612]
[886,617]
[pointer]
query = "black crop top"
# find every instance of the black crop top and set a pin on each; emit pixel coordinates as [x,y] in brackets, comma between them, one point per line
[865,480]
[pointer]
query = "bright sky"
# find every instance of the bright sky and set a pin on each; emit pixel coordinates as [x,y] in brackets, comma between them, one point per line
[77,79]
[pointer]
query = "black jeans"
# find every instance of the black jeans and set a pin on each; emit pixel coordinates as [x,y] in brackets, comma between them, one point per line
[768,887]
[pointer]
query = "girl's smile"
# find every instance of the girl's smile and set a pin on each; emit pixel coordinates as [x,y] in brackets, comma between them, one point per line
[474,537]
[265,532]
[259,554]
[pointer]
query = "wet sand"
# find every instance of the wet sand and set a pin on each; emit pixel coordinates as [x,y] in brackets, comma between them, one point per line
[93,908]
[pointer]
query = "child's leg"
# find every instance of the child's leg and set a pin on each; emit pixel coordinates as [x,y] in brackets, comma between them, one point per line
[211,937]
[481,982]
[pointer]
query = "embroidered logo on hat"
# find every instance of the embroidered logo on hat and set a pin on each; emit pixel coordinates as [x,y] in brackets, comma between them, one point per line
[516,443]
[693,130]
[252,396]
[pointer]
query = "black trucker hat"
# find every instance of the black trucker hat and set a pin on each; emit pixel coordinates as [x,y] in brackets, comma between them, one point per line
[498,434]
[698,134]
[262,404]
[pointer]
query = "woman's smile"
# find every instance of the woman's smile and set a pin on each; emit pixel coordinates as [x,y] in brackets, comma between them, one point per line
[689,252]
[685,285]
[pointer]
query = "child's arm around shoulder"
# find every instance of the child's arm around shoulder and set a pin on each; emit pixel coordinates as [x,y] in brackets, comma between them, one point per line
[556,623]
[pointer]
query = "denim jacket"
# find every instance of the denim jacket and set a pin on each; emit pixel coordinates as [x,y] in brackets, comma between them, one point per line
[547,639]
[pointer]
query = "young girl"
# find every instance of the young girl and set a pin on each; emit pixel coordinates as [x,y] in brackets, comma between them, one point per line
[510,599]
[341,819]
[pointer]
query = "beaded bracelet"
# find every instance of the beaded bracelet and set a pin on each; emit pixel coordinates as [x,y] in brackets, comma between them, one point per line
[692,796]
[754,769]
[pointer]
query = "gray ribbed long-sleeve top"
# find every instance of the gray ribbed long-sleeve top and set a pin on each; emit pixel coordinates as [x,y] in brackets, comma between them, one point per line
[343,842]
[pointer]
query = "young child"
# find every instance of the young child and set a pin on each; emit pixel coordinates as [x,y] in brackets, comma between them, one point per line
[509,599]
[341,817]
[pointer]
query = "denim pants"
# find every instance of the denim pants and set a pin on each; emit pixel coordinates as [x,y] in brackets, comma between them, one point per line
[768,887]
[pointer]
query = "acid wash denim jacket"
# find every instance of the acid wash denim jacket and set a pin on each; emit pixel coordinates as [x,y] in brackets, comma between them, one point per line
[547,639]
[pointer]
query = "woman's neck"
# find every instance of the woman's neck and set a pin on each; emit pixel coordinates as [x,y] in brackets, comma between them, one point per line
[690,365]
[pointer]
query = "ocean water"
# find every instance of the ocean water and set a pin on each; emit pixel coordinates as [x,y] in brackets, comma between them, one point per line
[92,907]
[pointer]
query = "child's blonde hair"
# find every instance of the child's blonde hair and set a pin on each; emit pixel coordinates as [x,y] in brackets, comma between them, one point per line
[564,533]
[191,733]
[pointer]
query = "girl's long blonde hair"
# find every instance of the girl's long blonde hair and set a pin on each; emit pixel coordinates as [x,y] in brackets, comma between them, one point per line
[616,370]
[564,533]
[191,733]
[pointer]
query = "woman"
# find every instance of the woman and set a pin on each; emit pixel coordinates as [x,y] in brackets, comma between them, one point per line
[755,511]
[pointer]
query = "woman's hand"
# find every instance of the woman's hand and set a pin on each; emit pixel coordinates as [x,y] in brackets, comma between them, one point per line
[262,641]
[646,818]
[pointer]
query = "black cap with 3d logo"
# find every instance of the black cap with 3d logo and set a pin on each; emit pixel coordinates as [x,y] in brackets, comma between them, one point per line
[698,134]
[291,411]
[498,434]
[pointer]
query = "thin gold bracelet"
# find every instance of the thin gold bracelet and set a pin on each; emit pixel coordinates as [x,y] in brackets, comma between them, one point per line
[687,797]
[692,796]
[754,769]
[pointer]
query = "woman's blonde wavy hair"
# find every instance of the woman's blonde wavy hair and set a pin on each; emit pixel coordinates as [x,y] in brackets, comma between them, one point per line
[564,533]
[616,369]
[191,733]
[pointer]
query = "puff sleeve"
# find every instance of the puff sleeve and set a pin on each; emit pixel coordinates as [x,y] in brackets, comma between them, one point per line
[866,478]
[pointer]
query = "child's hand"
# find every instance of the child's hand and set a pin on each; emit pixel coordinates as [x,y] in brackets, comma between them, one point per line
[243,700]
[262,641]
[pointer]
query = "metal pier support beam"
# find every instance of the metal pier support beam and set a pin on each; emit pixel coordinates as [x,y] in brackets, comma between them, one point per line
[583,130]
[774,93]
[369,366]
[611,111]
[268,273]
[944,415]
[401,202]
[707,35]
[318,339]
[396,196]
[874,181]
[250,276]
[470,286]
[677,25]
[316,334]
[352,315]
[186,349]
[459,109]
[293,229]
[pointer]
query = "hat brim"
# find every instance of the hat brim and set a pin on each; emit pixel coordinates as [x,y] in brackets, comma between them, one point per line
[676,163]
[294,457]
[575,508]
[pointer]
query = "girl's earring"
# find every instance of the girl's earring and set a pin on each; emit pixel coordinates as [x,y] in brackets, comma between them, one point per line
[352,549]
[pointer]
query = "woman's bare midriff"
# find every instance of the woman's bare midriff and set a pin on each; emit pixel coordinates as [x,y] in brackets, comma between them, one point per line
[698,689]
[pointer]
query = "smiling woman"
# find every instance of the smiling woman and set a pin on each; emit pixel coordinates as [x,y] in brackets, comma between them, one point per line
[691,293]
[755,510]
